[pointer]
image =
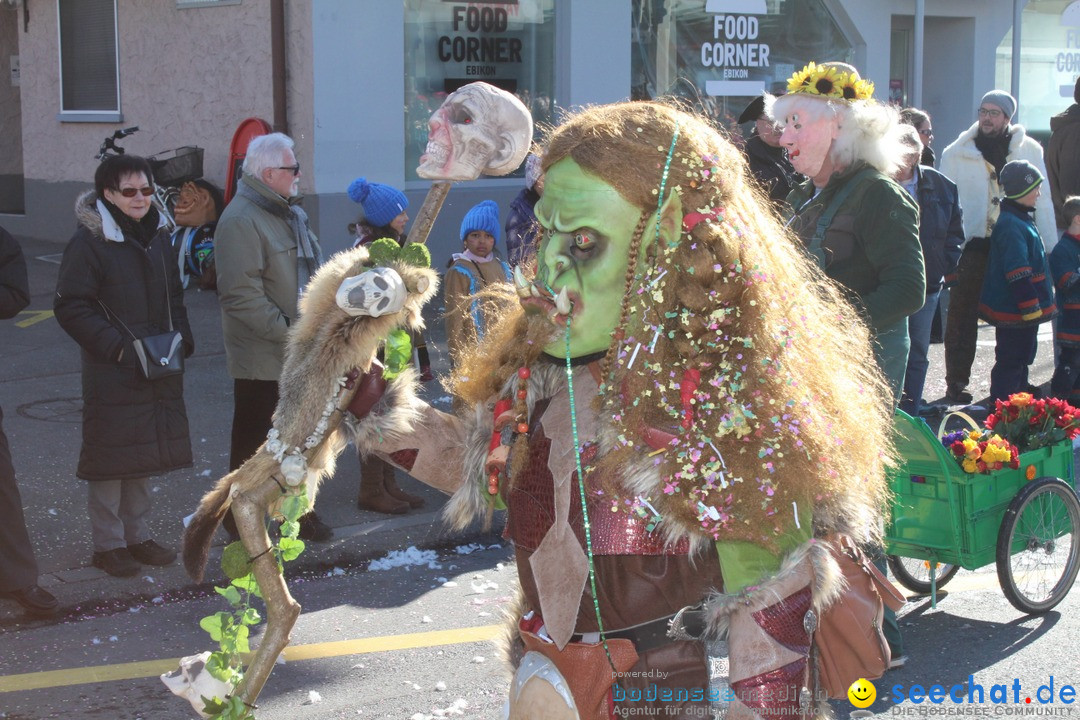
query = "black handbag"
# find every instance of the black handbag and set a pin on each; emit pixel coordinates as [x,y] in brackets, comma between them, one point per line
[159,356]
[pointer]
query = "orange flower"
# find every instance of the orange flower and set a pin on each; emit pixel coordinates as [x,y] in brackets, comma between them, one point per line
[1021,399]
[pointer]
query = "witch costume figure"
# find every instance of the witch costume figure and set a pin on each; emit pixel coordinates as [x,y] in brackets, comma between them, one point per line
[677,405]
[672,407]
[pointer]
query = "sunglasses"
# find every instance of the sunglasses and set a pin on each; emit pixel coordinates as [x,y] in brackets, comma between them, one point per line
[927,132]
[130,192]
[295,169]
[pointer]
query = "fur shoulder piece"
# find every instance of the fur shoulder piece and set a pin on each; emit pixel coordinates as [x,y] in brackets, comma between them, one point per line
[326,342]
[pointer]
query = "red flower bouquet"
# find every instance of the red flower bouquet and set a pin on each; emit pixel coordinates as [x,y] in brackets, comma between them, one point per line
[1031,424]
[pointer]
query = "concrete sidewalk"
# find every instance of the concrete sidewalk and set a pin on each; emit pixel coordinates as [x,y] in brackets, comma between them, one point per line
[41,395]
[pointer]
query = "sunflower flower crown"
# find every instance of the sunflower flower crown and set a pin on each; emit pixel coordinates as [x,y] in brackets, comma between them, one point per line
[827,81]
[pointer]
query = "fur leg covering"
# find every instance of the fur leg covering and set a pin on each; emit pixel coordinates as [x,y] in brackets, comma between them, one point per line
[769,632]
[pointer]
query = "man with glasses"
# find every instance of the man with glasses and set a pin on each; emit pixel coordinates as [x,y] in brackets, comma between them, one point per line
[973,162]
[265,254]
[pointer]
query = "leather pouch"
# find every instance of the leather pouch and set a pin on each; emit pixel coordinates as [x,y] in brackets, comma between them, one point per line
[586,669]
[849,641]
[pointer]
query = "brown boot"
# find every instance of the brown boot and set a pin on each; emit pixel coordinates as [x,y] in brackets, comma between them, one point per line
[392,489]
[373,495]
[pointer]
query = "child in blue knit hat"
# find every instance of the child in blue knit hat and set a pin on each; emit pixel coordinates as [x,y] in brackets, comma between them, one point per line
[471,271]
[384,212]
[1017,293]
[385,217]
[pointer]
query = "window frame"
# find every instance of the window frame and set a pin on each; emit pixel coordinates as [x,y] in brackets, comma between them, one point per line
[102,116]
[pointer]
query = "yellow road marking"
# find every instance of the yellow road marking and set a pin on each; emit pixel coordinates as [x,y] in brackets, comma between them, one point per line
[36,316]
[153,668]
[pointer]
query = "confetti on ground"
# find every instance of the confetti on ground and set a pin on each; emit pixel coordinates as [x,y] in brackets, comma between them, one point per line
[455,708]
[405,558]
[440,686]
[313,698]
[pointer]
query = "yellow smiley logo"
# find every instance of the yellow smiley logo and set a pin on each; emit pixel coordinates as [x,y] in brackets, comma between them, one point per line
[862,693]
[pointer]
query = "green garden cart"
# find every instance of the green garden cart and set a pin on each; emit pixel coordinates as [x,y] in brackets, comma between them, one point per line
[1027,520]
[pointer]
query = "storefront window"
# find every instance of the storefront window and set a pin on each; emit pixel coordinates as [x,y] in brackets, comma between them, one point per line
[1049,62]
[510,44]
[718,54]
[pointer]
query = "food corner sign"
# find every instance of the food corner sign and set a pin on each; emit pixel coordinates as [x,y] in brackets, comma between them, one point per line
[481,37]
[735,53]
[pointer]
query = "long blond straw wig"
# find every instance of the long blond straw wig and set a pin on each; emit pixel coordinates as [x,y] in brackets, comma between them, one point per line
[730,340]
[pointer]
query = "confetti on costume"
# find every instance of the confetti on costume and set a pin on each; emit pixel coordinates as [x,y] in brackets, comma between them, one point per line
[708,384]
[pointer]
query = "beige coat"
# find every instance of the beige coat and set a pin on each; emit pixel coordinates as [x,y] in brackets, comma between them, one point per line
[255,254]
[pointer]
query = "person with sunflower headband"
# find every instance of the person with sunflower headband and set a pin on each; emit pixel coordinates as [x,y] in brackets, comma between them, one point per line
[673,405]
[860,226]
[857,223]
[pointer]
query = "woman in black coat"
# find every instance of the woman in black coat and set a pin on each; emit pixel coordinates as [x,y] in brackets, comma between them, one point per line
[118,270]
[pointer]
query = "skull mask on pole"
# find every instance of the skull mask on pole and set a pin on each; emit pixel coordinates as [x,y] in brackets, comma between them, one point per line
[479,129]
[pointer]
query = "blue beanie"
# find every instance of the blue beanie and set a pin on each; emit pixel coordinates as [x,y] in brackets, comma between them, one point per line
[381,203]
[483,216]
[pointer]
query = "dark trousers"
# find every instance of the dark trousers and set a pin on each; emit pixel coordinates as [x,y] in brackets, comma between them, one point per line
[962,326]
[253,416]
[1066,381]
[18,569]
[1014,351]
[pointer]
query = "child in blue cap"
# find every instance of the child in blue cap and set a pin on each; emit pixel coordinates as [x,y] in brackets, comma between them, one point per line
[384,211]
[471,270]
[1017,294]
[384,217]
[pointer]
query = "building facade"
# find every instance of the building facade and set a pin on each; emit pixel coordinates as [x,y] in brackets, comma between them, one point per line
[353,81]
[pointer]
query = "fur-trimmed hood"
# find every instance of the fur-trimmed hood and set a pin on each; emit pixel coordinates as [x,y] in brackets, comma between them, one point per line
[91,213]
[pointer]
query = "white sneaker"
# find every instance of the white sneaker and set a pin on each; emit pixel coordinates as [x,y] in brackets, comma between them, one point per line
[898,662]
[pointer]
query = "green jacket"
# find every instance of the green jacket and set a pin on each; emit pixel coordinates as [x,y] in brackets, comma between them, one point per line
[871,247]
[255,256]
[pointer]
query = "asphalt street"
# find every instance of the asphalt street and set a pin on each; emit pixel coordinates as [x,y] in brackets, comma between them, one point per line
[41,396]
[413,641]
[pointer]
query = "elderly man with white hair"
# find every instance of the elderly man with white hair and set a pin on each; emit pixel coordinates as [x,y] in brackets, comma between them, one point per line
[265,254]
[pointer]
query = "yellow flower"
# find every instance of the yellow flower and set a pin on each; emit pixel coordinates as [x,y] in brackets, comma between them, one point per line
[826,81]
[969,466]
[800,78]
[864,89]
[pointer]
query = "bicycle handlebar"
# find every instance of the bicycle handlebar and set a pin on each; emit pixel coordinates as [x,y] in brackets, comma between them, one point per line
[110,142]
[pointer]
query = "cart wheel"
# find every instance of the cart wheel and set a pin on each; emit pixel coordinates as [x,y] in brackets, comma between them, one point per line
[1038,548]
[915,574]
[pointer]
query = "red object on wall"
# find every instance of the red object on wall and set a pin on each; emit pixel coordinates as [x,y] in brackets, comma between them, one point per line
[247,131]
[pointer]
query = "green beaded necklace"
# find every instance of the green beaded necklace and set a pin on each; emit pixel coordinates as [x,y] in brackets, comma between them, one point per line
[574,427]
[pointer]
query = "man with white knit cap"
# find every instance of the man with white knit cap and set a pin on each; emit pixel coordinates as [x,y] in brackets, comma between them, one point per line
[973,161]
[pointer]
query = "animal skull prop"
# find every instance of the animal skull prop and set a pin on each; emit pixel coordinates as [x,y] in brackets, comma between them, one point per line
[377,292]
[479,129]
[193,682]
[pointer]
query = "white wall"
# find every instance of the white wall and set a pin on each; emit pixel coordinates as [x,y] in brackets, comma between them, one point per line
[359,69]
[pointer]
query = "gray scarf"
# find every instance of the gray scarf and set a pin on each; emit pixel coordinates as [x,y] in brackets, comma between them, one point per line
[308,252]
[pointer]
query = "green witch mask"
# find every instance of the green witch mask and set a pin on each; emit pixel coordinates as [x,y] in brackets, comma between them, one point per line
[582,263]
